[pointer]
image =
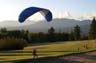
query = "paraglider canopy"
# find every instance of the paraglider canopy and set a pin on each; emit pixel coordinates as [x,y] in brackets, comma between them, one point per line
[32,10]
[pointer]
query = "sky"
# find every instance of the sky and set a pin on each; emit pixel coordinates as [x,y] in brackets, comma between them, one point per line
[77,9]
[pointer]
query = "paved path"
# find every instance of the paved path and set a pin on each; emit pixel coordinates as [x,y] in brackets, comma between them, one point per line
[89,57]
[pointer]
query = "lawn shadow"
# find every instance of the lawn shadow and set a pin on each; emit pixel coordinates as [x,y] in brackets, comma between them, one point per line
[46,60]
[92,57]
[53,59]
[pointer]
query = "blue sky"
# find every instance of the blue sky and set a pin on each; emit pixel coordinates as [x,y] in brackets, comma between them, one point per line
[10,9]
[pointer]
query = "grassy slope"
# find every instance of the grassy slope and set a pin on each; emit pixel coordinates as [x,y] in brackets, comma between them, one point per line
[47,50]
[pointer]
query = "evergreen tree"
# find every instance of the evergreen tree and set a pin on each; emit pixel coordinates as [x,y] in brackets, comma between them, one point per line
[3,30]
[51,30]
[71,36]
[77,31]
[27,35]
[51,34]
[92,32]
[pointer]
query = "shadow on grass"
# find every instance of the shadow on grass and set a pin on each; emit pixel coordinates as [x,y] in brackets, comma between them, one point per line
[51,59]
[31,51]
[22,54]
[87,56]
[55,59]
[28,53]
[46,60]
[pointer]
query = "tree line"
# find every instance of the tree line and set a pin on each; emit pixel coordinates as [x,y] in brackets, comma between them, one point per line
[51,35]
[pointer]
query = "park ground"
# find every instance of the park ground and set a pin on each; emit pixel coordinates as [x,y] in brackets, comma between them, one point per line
[89,57]
[58,52]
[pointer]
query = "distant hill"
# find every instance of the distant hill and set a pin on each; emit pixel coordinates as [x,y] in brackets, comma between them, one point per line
[62,25]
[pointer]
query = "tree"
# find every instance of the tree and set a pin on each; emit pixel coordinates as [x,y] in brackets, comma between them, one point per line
[3,30]
[27,35]
[51,34]
[51,30]
[77,31]
[92,32]
[71,36]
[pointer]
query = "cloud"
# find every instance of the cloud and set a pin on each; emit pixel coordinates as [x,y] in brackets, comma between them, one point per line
[67,13]
[88,15]
[62,14]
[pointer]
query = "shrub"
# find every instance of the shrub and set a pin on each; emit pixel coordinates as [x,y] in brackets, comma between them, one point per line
[11,43]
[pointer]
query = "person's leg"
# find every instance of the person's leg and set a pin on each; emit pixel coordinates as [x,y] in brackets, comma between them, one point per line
[37,56]
[33,56]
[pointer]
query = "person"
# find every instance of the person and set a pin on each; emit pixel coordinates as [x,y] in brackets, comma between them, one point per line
[85,46]
[94,44]
[34,53]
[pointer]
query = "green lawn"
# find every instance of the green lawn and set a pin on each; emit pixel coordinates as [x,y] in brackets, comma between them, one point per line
[48,50]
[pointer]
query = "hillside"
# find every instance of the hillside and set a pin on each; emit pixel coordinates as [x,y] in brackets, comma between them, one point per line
[63,25]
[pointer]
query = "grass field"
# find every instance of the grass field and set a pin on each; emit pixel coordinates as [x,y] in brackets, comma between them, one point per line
[48,50]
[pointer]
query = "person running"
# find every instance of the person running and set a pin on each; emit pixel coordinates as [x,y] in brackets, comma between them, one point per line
[86,46]
[34,53]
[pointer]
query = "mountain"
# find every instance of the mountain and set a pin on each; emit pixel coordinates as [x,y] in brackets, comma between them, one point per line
[63,25]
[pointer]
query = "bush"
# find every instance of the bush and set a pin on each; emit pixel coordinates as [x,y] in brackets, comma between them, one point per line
[11,43]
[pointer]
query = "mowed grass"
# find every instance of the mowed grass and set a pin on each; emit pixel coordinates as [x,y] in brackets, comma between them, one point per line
[48,50]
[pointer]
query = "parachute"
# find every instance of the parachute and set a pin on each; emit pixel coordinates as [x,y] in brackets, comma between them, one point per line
[32,10]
